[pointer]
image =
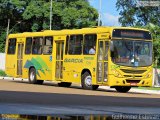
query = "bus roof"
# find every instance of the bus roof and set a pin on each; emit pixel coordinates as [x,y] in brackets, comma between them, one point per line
[91,30]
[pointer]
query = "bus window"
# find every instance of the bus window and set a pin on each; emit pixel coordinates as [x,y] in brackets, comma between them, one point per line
[37,45]
[67,41]
[47,48]
[106,50]
[28,46]
[75,44]
[89,44]
[11,46]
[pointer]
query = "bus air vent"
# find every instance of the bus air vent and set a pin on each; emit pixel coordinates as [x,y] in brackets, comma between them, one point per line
[133,71]
[127,75]
[132,81]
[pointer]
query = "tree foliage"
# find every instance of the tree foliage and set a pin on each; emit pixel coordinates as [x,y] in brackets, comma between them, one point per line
[132,14]
[147,17]
[34,15]
[155,30]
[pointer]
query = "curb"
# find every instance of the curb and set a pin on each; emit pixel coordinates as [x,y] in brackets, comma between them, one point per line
[11,78]
[134,90]
[7,78]
[145,91]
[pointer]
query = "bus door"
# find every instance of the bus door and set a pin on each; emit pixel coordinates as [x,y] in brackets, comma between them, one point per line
[20,58]
[59,60]
[102,63]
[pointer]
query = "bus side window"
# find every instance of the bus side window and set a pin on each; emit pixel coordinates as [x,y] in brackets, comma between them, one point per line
[67,43]
[28,46]
[75,44]
[37,43]
[89,44]
[11,46]
[48,43]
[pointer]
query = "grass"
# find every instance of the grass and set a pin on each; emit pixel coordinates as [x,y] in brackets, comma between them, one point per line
[2,73]
[149,88]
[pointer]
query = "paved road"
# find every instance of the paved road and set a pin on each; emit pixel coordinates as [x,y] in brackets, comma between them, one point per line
[22,97]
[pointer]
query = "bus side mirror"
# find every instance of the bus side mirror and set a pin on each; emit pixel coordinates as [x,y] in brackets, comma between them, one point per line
[111,46]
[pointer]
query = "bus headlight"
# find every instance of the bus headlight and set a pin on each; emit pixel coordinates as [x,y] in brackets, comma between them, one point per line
[149,74]
[116,73]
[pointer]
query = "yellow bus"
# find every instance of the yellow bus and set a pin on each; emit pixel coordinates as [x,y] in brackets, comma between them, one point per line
[119,57]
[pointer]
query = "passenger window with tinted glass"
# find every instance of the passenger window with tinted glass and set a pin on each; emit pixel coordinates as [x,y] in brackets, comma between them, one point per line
[90,44]
[28,46]
[37,43]
[67,43]
[75,44]
[11,46]
[48,44]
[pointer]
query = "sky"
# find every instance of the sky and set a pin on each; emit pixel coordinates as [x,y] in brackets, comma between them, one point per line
[109,13]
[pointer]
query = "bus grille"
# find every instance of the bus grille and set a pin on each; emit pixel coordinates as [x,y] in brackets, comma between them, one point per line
[132,81]
[133,71]
[132,76]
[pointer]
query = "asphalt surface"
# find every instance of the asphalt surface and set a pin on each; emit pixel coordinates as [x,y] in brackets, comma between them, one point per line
[24,98]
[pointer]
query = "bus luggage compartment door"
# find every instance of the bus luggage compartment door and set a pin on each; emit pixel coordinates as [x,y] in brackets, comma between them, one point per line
[102,64]
[59,60]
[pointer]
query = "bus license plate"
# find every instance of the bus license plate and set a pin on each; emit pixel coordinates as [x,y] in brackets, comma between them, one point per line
[133,84]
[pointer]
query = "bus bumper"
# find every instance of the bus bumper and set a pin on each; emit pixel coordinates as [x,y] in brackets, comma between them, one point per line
[133,82]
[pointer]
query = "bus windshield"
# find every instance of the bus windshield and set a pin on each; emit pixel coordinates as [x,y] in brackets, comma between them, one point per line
[131,52]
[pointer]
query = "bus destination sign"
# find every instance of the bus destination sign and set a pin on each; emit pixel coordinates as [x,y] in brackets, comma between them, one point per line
[127,33]
[131,34]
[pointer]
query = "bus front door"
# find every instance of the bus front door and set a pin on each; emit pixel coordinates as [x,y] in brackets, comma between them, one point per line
[102,64]
[19,59]
[59,60]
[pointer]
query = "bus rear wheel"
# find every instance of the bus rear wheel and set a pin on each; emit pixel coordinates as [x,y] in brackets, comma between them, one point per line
[64,84]
[32,77]
[40,82]
[86,82]
[122,89]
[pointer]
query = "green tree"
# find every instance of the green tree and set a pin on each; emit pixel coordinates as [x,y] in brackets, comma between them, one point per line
[66,14]
[33,15]
[9,10]
[155,30]
[143,17]
[132,14]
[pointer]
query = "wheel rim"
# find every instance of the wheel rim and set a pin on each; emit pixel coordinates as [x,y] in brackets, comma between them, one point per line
[32,76]
[88,81]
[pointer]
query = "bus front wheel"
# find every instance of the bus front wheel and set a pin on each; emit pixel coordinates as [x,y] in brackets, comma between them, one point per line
[87,82]
[122,89]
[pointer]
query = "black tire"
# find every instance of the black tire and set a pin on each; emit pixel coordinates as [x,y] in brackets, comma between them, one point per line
[122,89]
[40,82]
[64,84]
[86,82]
[95,87]
[32,77]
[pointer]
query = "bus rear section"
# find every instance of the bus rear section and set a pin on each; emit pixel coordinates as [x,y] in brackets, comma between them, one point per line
[29,56]
[14,57]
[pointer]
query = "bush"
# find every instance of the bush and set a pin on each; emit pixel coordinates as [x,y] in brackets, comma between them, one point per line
[2,73]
